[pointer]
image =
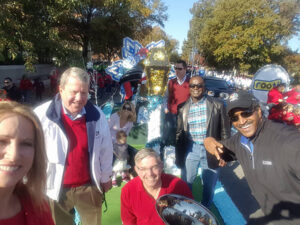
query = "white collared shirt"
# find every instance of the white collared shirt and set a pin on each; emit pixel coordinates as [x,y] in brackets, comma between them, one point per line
[180,82]
[79,115]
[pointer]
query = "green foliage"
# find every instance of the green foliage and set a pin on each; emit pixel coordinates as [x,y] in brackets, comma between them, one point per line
[243,34]
[157,34]
[46,29]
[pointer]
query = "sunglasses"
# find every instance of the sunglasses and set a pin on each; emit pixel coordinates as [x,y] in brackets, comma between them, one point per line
[245,114]
[198,86]
[127,108]
[179,68]
[6,82]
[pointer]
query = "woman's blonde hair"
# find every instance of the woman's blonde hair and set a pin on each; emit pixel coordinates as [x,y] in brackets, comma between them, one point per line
[132,117]
[35,181]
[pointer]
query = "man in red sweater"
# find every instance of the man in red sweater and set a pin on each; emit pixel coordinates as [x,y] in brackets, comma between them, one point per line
[139,195]
[177,93]
[79,150]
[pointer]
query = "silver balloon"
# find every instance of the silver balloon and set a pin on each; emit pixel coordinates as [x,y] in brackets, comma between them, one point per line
[179,210]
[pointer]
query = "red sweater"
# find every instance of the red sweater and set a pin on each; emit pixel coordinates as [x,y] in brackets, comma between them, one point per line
[77,162]
[29,215]
[138,207]
[177,94]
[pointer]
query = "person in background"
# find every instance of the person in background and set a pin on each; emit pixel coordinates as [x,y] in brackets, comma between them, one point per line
[79,151]
[120,166]
[25,87]
[12,92]
[139,195]
[293,96]
[122,120]
[199,117]
[269,154]
[177,93]
[54,78]
[276,102]
[39,87]
[3,95]
[22,167]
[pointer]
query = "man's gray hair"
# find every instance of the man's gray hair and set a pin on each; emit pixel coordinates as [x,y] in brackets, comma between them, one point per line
[75,72]
[146,152]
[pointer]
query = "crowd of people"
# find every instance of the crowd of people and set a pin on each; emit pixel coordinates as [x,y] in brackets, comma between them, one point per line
[63,156]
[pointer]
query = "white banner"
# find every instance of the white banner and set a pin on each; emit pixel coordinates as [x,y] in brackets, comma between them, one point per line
[266,78]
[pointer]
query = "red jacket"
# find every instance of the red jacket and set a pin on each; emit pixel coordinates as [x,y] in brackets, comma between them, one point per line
[26,84]
[296,120]
[293,97]
[274,96]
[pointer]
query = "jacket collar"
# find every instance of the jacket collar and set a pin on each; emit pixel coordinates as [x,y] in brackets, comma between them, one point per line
[55,107]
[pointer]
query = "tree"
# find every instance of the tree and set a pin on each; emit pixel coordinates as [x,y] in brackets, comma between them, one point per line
[201,11]
[156,34]
[246,34]
[62,28]
[101,25]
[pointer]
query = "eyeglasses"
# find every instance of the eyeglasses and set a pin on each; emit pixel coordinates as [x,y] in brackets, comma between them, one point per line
[245,114]
[6,82]
[198,86]
[127,108]
[153,169]
[179,68]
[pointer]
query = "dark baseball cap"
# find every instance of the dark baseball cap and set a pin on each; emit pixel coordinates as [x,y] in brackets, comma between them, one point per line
[240,99]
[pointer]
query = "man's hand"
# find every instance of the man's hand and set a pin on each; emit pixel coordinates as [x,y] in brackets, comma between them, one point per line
[215,148]
[166,110]
[106,186]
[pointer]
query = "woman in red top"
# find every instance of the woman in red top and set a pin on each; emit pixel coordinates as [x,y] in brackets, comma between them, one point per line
[22,167]
[276,102]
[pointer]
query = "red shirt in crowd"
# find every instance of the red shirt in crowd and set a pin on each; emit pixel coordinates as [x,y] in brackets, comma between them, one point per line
[177,94]
[293,97]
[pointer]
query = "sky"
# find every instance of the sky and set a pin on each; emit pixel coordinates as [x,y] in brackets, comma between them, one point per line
[179,15]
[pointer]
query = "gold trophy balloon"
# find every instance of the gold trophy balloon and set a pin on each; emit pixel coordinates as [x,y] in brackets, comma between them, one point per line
[157,68]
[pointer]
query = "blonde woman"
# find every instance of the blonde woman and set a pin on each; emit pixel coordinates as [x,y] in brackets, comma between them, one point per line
[22,167]
[122,120]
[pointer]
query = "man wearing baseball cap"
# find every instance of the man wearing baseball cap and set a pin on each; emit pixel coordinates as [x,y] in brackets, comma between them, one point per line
[269,154]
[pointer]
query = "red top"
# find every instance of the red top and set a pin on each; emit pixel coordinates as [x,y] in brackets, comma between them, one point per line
[128,90]
[177,94]
[100,81]
[274,95]
[29,216]
[288,117]
[138,207]
[296,120]
[293,96]
[26,84]
[77,162]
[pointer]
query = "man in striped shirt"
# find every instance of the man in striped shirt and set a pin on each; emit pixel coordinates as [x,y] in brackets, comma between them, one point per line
[199,117]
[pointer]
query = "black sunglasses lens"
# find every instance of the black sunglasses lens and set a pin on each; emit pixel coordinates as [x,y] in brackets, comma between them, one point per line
[244,114]
[177,68]
[196,85]
[247,113]
[234,118]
